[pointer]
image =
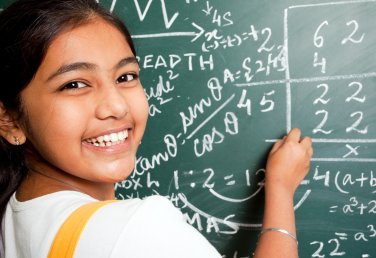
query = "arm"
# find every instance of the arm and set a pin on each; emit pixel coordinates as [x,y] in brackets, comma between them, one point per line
[288,163]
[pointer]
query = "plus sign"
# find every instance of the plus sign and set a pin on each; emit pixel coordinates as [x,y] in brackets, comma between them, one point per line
[362,179]
[361,208]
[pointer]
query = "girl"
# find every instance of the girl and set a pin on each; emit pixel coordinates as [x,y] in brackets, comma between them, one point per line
[72,114]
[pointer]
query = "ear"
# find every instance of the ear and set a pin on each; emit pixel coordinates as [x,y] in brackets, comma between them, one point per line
[9,127]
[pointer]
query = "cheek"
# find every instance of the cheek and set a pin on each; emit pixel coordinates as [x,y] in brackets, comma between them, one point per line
[55,133]
[140,111]
[55,122]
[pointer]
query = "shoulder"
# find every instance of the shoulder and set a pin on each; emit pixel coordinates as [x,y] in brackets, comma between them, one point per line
[121,211]
[133,211]
[151,227]
[118,215]
[123,221]
[34,223]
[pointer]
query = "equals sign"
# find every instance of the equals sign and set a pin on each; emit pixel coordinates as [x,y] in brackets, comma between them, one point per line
[227,178]
[342,236]
[365,255]
[333,209]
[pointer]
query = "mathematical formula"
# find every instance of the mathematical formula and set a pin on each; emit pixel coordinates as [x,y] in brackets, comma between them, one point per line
[232,85]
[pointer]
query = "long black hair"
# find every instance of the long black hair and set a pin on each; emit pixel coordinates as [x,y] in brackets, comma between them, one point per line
[27,28]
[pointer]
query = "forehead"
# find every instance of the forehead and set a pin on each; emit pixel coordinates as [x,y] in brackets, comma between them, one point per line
[97,42]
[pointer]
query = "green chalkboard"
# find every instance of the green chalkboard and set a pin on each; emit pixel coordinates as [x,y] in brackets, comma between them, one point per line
[224,80]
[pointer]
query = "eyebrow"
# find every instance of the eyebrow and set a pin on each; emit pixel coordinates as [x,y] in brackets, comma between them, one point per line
[126,61]
[89,66]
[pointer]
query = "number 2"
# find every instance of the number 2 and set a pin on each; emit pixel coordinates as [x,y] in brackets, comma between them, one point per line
[354,126]
[350,37]
[356,93]
[321,98]
[263,47]
[211,175]
[319,127]
[335,251]
[318,251]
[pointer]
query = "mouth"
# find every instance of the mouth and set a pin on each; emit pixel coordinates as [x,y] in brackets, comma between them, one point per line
[109,139]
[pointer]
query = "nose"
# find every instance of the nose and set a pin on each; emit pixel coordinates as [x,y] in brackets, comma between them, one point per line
[111,103]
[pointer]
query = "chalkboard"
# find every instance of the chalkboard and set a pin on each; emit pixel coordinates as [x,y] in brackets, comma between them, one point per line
[226,79]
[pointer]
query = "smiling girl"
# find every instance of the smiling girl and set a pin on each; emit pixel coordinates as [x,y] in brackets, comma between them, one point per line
[72,114]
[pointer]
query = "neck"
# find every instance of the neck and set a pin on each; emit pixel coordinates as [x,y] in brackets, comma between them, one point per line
[43,178]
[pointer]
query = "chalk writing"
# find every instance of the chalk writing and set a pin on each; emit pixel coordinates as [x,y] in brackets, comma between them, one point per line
[224,81]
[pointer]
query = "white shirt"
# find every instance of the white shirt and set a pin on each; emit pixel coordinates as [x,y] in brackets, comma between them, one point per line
[134,228]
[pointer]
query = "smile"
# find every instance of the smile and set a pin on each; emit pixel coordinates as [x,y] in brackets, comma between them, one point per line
[109,139]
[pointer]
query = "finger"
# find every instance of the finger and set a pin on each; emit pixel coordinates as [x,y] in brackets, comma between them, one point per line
[307,144]
[310,152]
[277,145]
[294,135]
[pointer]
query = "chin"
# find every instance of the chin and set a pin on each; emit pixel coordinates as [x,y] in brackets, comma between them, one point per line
[119,175]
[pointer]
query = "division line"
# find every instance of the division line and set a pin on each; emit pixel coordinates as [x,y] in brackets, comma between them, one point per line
[318,140]
[287,73]
[332,3]
[369,160]
[312,79]
[211,116]
[167,34]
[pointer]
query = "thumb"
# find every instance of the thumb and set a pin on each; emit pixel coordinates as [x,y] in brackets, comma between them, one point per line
[277,145]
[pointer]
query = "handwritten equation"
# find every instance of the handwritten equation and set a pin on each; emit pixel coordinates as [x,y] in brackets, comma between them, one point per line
[223,84]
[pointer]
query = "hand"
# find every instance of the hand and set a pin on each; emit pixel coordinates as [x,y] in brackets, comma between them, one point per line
[288,162]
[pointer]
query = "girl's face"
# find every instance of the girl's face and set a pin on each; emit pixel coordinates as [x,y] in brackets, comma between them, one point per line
[86,109]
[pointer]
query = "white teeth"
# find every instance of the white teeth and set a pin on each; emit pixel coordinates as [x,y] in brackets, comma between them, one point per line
[123,135]
[114,137]
[109,139]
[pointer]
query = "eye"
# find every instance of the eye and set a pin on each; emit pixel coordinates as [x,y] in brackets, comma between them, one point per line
[74,86]
[127,78]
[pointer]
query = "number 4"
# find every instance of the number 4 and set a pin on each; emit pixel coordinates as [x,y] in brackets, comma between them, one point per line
[326,177]
[321,63]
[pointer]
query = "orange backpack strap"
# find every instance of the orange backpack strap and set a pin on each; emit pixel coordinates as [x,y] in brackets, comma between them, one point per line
[67,237]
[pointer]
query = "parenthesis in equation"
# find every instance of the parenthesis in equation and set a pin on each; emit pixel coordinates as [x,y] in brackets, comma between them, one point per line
[337,184]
